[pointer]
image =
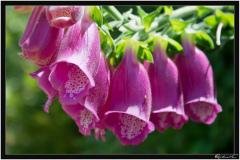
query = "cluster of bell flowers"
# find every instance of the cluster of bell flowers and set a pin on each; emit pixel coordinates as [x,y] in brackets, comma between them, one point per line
[130,100]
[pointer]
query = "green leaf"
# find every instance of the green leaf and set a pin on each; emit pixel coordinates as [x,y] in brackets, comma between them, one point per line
[203,11]
[173,46]
[107,43]
[166,43]
[113,24]
[140,11]
[120,49]
[148,55]
[96,14]
[211,21]
[226,18]
[149,18]
[203,39]
[127,14]
[168,10]
[143,52]
[178,25]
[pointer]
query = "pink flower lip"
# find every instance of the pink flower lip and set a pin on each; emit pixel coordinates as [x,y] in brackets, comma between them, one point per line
[129,129]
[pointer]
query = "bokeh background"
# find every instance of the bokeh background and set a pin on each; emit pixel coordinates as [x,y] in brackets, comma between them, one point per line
[31,131]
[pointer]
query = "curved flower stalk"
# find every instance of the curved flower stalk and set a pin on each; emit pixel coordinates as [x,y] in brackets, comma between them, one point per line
[167,100]
[40,42]
[77,63]
[197,82]
[42,77]
[86,115]
[64,16]
[129,103]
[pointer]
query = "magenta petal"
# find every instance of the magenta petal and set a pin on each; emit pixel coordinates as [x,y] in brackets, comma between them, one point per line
[64,16]
[40,42]
[84,118]
[76,65]
[42,77]
[130,102]
[97,95]
[167,101]
[71,82]
[196,76]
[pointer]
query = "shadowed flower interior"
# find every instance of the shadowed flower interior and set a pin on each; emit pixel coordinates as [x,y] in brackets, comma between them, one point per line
[203,111]
[166,120]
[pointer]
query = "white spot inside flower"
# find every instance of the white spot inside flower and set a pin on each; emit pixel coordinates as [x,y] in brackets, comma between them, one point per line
[86,118]
[202,111]
[76,82]
[131,127]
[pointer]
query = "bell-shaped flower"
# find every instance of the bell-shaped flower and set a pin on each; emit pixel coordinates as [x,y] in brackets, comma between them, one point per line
[129,105]
[197,83]
[40,42]
[64,16]
[167,100]
[42,77]
[86,115]
[72,74]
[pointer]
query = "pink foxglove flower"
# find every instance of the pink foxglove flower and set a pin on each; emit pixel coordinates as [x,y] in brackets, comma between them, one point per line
[40,41]
[86,115]
[197,82]
[42,77]
[64,16]
[130,100]
[77,63]
[167,100]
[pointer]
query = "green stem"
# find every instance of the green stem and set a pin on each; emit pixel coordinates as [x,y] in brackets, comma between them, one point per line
[114,12]
[116,15]
[182,12]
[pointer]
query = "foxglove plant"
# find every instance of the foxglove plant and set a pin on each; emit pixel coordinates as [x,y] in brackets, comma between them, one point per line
[167,100]
[129,101]
[40,41]
[123,95]
[197,82]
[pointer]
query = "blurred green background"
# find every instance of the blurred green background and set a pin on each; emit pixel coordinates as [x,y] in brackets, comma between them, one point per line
[31,131]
